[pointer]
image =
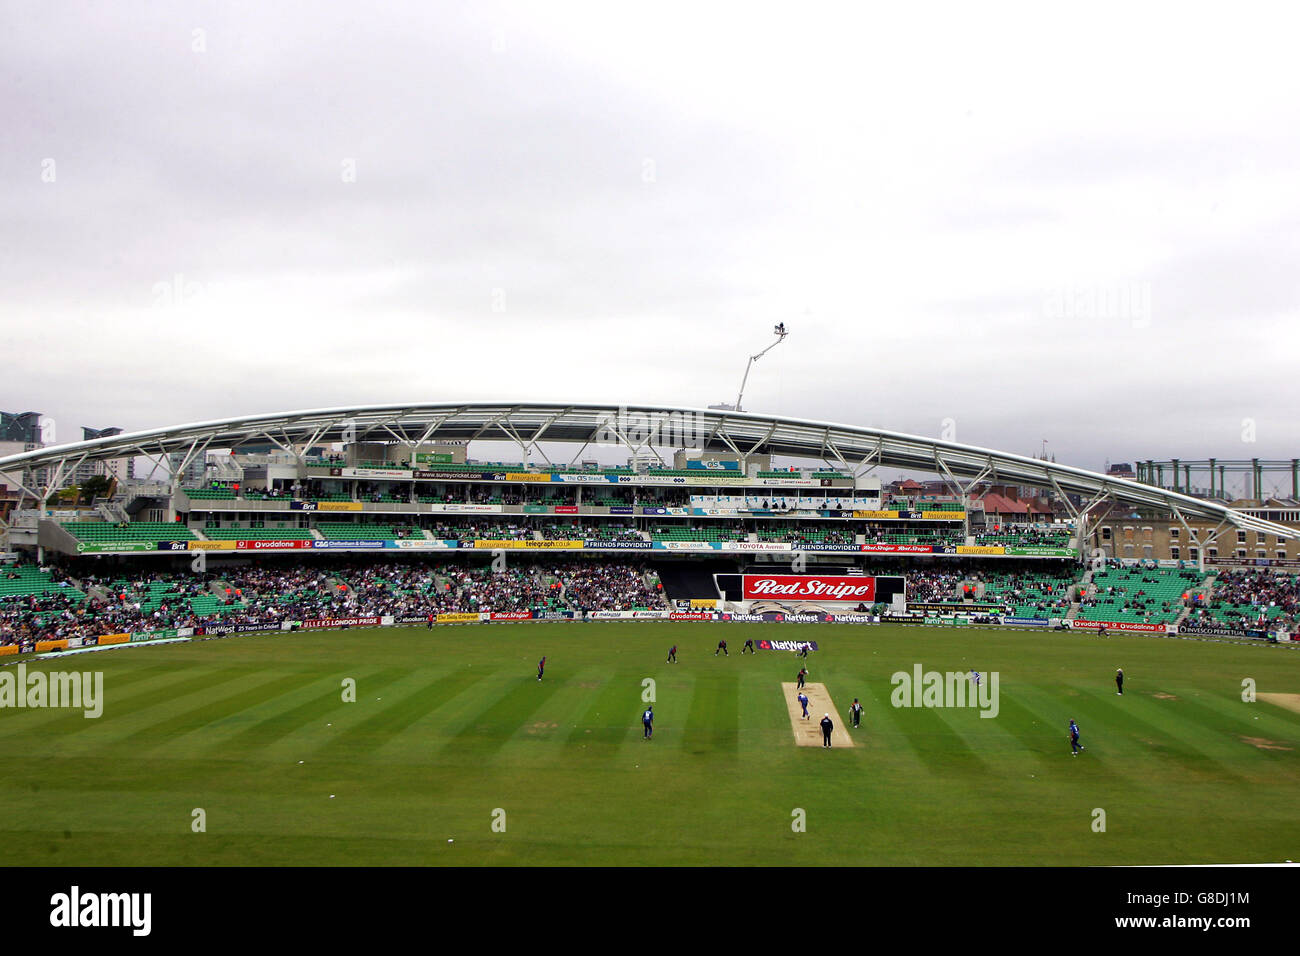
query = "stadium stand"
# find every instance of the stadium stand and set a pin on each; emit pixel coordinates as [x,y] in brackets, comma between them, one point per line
[263,534]
[1032,595]
[1138,594]
[20,580]
[104,532]
[1247,599]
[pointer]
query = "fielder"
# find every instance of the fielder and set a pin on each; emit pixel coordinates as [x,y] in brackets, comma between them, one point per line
[1075,746]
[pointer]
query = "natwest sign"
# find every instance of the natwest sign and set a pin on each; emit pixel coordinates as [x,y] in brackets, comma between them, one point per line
[809,587]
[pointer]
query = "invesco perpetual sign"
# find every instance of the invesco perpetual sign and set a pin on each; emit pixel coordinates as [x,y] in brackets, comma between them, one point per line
[808,587]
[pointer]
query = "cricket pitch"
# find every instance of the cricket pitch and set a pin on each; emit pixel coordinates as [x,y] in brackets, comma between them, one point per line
[808,733]
[1289,701]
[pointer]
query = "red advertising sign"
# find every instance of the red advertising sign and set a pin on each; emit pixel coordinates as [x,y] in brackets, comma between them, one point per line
[809,587]
[246,545]
[566,509]
[510,615]
[1120,625]
[898,548]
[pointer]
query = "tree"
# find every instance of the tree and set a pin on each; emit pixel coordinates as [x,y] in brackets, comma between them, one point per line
[97,486]
[66,496]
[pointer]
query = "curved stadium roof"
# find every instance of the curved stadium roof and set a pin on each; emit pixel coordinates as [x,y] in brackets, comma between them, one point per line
[632,427]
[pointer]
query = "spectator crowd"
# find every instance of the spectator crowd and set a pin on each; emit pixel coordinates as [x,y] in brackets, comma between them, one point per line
[140,600]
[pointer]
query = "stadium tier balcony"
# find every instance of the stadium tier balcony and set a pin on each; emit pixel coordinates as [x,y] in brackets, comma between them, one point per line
[805,535]
[104,532]
[210,494]
[698,534]
[258,534]
[1028,538]
[347,531]
[687,472]
[933,538]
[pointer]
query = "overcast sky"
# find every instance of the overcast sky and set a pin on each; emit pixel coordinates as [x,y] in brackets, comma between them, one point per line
[1078,227]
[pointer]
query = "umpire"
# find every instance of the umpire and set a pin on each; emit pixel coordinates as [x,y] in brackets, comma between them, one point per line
[827,727]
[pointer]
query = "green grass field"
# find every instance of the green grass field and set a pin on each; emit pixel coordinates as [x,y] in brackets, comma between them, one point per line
[451,724]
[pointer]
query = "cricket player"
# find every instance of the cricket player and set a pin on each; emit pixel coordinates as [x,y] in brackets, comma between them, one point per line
[722,646]
[1119,681]
[672,654]
[803,673]
[803,651]
[648,722]
[827,726]
[856,712]
[803,701]
[541,666]
[975,676]
[429,624]
[749,646]
[1075,746]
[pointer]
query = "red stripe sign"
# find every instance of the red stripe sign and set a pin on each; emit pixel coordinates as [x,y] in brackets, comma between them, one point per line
[809,587]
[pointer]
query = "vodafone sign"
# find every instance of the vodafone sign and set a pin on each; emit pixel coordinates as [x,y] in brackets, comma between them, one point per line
[809,587]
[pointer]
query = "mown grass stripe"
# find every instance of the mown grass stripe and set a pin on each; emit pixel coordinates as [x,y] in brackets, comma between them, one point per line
[119,715]
[265,734]
[491,726]
[1164,735]
[362,741]
[609,719]
[712,723]
[179,729]
[936,744]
